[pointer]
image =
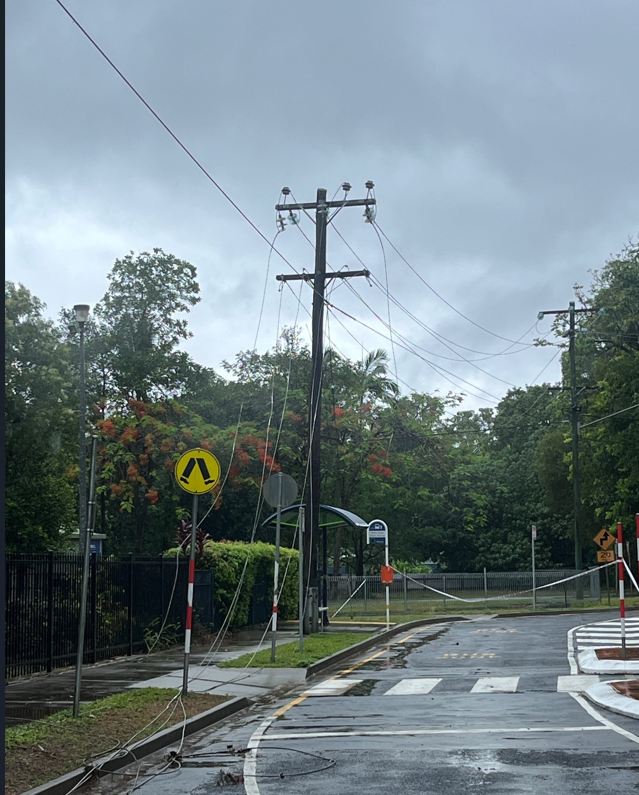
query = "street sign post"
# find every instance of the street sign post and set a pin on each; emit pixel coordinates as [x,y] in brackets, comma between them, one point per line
[280,491]
[534,584]
[622,600]
[604,538]
[197,472]
[377,533]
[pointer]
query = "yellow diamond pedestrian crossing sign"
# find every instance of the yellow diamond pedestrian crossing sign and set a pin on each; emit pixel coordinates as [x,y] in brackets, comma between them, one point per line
[197,471]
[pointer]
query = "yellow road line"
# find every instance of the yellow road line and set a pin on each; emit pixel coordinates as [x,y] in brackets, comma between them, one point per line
[282,710]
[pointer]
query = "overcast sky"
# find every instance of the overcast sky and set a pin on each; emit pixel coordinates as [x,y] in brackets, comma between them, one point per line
[501,138]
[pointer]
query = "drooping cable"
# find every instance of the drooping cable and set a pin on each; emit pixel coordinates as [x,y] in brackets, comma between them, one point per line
[441,297]
[173,135]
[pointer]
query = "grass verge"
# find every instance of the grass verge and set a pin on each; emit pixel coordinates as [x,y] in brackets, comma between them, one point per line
[40,751]
[288,655]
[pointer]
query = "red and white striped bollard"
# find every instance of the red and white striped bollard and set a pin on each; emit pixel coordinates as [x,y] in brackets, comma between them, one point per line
[622,600]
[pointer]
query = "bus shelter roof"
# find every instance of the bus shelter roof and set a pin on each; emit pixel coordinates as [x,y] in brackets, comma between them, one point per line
[337,516]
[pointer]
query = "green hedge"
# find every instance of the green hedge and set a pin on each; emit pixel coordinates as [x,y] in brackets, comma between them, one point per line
[227,559]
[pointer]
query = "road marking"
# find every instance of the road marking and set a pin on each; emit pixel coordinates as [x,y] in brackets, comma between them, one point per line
[410,687]
[332,688]
[250,760]
[607,723]
[575,684]
[420,732]
[475,631]
[496,684]
[465,655]
[574,668]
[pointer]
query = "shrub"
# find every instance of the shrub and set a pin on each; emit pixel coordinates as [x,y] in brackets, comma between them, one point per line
[227,560]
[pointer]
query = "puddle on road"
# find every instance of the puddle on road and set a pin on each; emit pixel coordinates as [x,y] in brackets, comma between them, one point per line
[18,713]
[364,688]
[397,654]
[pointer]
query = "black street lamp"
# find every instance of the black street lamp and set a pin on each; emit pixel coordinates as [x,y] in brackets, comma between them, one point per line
[81,317]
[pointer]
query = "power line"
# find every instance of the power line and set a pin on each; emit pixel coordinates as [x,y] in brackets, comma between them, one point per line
[408,343]
[439,337]
[441,298]
[614,414]
[177,140]
[463,358]
[432,365]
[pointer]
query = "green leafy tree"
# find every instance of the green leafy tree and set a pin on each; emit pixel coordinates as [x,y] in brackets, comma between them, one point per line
[140,324]
[40,427]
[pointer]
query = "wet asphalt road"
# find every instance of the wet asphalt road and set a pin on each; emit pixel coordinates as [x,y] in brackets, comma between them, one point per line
[454,739]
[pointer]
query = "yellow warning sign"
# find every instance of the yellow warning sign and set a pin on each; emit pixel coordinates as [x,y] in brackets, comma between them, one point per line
[604,539]
[197,471]
[605,556]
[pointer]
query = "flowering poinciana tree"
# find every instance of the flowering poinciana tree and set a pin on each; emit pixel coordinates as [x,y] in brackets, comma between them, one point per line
[140,447]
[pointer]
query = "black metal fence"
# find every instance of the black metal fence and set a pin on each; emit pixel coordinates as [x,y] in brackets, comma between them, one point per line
[127,601]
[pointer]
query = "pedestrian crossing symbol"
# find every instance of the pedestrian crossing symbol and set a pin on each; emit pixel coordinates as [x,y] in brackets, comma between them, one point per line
[197,471]
[604,539]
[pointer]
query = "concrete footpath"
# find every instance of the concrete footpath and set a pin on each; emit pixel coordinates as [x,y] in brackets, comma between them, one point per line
[37,696]
[40,695]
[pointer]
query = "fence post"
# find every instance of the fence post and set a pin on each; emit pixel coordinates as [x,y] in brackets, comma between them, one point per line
[485,583]
[93,573]
[444,590]
[161,585]
[365,595]
[405,593]
[50,634]
[130,616]
[565,594]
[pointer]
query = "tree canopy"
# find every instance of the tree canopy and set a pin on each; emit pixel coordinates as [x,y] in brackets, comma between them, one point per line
[459,488]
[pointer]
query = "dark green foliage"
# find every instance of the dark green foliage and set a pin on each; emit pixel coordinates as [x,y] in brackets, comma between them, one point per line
[460,490]
[230,559]
[40,427]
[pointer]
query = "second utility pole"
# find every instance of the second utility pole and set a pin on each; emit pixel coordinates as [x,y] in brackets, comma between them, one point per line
[575,408]
[319,279]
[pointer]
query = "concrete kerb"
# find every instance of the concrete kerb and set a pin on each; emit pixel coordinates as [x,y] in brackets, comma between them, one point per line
[375,640]
[589,663]
[106,765]
[568,611]
[604,695]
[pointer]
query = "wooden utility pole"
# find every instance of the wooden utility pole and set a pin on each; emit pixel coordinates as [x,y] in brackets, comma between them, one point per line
[319,278]
[575,408]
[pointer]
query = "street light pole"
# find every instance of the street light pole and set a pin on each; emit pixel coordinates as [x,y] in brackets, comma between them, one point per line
[81,316]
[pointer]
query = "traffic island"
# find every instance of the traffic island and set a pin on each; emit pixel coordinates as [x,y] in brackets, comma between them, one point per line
[609,661]
[620,697]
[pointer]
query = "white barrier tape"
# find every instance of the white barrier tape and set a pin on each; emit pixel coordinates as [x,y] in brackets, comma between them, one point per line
[363,582]
[634,582]
[509,595]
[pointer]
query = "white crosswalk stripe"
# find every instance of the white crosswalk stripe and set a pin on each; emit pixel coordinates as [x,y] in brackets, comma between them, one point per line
[420,686]
[606,634]
[496,684]
[576,683]
[412,687]
[332,687]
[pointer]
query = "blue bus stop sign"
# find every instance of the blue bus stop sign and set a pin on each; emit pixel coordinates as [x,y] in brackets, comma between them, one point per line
[377,532]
